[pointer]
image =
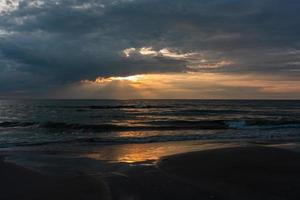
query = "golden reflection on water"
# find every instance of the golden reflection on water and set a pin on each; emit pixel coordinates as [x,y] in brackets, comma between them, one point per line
[133,153]
[132,134]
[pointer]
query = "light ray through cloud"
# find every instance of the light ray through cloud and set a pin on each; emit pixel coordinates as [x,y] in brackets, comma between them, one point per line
[46,46]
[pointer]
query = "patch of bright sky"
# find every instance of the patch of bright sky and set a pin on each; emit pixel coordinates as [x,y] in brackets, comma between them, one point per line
[194,60]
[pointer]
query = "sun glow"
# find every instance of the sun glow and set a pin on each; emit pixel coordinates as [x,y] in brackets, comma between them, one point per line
[103,80]
[192,85]
[133,78]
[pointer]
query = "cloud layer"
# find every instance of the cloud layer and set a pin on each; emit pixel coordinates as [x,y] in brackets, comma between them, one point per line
[48,44]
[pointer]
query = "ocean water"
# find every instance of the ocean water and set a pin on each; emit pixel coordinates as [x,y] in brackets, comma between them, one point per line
[27,123]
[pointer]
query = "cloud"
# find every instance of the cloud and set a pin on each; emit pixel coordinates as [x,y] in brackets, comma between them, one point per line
[48,44]
[7,6]
[193,60]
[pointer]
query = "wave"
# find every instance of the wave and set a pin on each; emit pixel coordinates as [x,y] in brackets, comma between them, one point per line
[159,125]
[104,107]
[169,125]
[17,124]
[263,123]
[221,136]
[128,107]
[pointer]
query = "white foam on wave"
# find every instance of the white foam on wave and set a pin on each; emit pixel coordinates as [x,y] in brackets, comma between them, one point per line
[236,124]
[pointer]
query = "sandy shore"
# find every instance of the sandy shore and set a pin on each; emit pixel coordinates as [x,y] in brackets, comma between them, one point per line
[239,173]
[228,173]
[20,183]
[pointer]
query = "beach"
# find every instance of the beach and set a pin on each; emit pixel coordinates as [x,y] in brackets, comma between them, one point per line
[149,149]
[17,182]
[149,100]
[237,172]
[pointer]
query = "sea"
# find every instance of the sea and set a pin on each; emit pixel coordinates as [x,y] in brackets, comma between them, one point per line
[107,122]
[68,137]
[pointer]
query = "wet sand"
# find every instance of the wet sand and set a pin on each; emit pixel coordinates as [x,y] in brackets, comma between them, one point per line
[20,183]
[239,173]
[252,172]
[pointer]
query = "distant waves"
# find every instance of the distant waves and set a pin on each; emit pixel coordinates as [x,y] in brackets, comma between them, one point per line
[160,125]
[63,122]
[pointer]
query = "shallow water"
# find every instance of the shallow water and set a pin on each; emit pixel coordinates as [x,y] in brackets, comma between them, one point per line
[103,159]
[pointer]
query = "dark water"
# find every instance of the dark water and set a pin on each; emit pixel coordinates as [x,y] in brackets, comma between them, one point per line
[50,122]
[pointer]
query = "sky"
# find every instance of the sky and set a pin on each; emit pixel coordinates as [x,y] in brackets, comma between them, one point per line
[123,49]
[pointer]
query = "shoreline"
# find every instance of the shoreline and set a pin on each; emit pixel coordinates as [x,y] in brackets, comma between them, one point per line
[239,172]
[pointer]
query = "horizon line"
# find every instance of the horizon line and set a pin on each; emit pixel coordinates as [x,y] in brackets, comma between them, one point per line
[140,99]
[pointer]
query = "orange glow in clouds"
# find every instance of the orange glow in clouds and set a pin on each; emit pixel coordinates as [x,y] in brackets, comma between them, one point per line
[191,85]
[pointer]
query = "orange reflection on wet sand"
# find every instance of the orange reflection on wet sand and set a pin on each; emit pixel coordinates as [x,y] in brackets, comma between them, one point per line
[133,153]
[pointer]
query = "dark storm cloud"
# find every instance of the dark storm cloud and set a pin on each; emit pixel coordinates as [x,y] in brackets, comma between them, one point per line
[55,42]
